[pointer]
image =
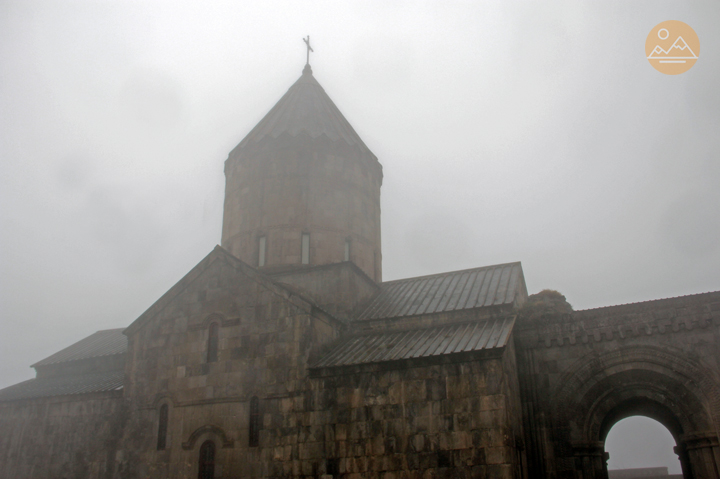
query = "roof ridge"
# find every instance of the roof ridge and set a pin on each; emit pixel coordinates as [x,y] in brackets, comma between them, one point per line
[450,272]
[221,254]
[632,303]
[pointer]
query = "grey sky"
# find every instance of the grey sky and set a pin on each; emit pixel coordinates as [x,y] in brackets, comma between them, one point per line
[524,131]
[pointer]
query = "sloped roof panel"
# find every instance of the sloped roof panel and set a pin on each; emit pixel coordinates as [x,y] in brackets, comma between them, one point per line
[457,290]
[64,385]
[305,108]
[398,345]
[101,343]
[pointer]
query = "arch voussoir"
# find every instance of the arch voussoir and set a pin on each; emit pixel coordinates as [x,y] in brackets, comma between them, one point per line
[209,429]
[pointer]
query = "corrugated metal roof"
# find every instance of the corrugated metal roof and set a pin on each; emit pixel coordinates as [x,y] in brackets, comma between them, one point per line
[102,343]
[304,108]
[467,289]
[420,343]
[64,385]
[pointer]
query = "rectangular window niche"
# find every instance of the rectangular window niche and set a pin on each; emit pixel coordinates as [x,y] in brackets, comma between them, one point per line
[262,245]
[306,248]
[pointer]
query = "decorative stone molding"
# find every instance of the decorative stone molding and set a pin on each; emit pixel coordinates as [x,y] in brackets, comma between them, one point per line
[700,441]
[209,429]
[218,317]
[625,321]
[697,380]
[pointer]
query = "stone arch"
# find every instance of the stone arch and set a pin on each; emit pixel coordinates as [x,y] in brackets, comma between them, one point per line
[637,364]
[210,431]
[162,398]
[658,382]
[216,317]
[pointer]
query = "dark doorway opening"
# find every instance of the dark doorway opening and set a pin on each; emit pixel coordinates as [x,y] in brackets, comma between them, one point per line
[207,461]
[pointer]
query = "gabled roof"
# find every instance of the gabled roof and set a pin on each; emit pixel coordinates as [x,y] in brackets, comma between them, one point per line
[101,343]
[456,290]
[221,254]
[305,108]
[64,385]
[398,345]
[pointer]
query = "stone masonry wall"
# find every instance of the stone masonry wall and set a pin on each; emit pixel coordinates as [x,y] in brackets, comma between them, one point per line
[339,288]
[265,338]
[61,437]
[429,421]
[661,352]
[283,187]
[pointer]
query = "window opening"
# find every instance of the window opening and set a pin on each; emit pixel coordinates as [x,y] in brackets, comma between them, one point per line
[262,246]
[162,427]
[306,248]
[212,347]
[254,435]
[206,470]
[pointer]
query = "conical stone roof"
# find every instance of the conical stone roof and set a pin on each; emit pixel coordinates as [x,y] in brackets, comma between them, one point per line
[305,108]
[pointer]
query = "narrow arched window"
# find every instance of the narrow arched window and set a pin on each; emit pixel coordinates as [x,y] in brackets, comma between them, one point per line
[262,247]
[254,436]
[162,427]
[206,469]
[212,346]
[305,249]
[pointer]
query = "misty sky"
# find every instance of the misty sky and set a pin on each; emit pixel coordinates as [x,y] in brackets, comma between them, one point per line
[507,131]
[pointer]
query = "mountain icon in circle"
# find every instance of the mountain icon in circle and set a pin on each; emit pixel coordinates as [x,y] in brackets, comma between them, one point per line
[678,50]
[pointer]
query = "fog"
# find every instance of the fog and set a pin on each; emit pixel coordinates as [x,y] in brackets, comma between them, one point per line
[508,131]
[641,442]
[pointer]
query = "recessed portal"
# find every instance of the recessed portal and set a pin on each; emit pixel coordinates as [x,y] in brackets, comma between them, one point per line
[641,442]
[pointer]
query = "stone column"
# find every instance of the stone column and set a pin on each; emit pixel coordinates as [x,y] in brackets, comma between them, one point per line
[590,460]
[702,451]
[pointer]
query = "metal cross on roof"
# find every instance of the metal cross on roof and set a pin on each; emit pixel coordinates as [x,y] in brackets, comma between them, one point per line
[309,49]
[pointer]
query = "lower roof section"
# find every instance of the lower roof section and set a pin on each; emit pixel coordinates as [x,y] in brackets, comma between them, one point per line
[101,343]
[64,385]
[420,343]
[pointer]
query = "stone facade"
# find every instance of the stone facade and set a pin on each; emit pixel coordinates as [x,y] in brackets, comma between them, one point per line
[583,372]
[433,418]
[61,437]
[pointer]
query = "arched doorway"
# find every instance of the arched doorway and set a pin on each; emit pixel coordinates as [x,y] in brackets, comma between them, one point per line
[206,468]
[641,442]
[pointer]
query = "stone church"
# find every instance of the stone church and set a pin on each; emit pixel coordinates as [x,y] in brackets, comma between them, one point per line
[283,353]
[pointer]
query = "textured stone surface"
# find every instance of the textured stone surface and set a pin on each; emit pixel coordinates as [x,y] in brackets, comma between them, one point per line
[304,179]
[582,372]
[61,437]
[428,420]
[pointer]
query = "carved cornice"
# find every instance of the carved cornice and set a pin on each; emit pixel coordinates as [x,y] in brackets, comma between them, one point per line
[607,324]
[700,441]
